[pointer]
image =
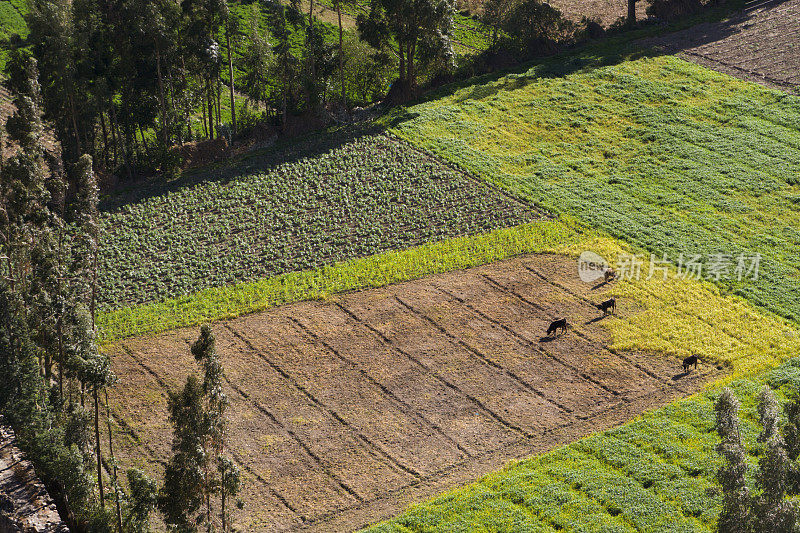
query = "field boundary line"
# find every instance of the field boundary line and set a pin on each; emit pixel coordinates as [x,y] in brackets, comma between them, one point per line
[779,83]
[530,205]
[125,427]
[258,477]
[325,469]
[483,358]
[532,344]
[373,449]
[166,387]
[523,441]
[614,352]
[391,345]
[392,396]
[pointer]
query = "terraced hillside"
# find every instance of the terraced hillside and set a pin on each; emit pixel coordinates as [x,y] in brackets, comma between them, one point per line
[348,408]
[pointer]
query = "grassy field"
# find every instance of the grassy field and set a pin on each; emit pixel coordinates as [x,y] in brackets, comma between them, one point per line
[655,473]
[663,154]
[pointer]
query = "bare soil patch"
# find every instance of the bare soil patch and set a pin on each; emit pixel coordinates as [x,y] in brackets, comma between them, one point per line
[345,411]
[760,44]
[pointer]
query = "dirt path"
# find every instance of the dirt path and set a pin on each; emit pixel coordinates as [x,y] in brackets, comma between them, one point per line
[346,411]
[760,44]
[25,504]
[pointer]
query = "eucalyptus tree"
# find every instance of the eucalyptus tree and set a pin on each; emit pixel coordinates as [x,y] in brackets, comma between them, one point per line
[258,60]
[416,31]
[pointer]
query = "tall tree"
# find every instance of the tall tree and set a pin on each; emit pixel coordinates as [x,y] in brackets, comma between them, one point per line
[767,510]
[735,516]
[205,353]
[183,492]
[231,36]
[416,31]
[257,61]
[773,512]
[52,435]
[286,64]
[631,20]
[338,4]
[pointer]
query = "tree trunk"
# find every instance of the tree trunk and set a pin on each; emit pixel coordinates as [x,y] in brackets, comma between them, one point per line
[631,13]
[224,518]
[230,75]
[105,139]
[310,37]
[341,57]
[401,77]
[99,456]
[161,99]
[218,100]
[113,464]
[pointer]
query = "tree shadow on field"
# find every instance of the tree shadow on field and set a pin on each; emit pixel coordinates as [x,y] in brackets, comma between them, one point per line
[284,151]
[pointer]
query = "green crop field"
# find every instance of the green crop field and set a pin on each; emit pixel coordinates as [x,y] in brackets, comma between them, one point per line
[655,473]
[663,154]
[289,210]
[12,18]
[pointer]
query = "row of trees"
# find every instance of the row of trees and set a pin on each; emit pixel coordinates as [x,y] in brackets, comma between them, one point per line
[121,79]
[777,476]
[52,371]
[54,376]
[124,80]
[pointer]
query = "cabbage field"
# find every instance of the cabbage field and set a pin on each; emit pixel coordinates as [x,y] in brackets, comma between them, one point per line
[663,154]
[655,473]
[289,211]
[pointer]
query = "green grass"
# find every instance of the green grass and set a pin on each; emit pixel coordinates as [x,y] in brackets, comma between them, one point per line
[373,271]
[654,474]
[663,154]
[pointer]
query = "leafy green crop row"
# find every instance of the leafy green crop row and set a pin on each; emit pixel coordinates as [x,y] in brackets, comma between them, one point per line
[365,196]
[666,155]
[12,13]
[654,474]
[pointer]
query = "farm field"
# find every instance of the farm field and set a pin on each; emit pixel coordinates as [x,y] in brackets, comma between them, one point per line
[346,410]
[294,208]
[661,153]
[758,44]
[655,473]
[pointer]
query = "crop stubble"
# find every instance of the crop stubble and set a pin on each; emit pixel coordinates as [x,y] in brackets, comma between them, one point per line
[344,411]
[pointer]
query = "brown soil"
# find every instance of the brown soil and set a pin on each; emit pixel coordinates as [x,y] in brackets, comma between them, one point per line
[345,411]
[760,44]
[606,12]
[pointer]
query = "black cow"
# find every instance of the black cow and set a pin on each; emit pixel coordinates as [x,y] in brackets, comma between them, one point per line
[555,326]
[689,361]
[608,305]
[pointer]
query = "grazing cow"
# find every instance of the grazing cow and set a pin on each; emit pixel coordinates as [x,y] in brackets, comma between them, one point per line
[609,275]
[555,326]
[608,305]
[688,362]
